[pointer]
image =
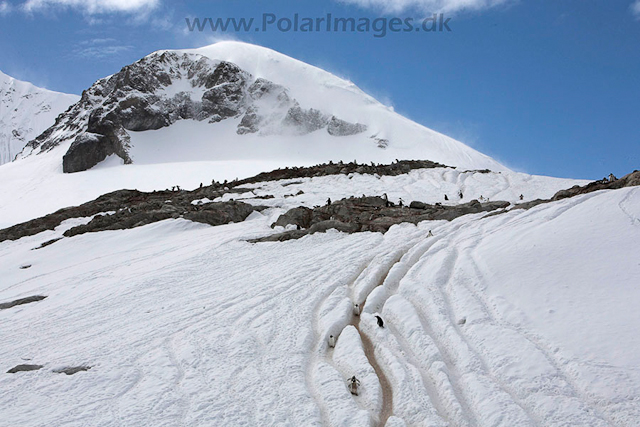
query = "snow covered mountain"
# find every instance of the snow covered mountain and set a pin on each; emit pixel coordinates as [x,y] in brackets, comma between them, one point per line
[25,112]
[142,290]
[232,101]
[225,111]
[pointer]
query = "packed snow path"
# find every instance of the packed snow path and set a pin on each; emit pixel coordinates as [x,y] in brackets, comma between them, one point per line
[525,318]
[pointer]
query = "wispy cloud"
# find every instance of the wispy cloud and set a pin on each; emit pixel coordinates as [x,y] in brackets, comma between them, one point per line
[100,48]
[93,7]
[5,8]
[635,9]
[429,6]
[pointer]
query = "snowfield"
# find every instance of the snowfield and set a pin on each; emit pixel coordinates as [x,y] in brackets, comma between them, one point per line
[523,318]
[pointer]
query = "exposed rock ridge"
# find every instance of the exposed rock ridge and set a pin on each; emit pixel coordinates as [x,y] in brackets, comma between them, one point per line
[165,87]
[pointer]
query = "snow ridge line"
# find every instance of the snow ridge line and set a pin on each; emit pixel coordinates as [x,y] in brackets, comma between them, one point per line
[414,256]
[634,219]
[452,260]
[557,364]
[319,350]
[561,373]
[369,351]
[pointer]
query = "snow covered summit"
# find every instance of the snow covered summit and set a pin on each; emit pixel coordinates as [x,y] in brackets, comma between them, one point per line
[26,111]
[236,101]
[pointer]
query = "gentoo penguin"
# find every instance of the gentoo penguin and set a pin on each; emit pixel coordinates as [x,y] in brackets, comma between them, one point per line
[356,309]
[353,385]
[332,341]
[380,322]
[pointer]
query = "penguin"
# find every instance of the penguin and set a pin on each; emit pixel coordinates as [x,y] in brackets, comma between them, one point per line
[356,309]
[380,322]
[332,341]
[430,234]
[446,198]
[521,197]
[386,199]
[353,385]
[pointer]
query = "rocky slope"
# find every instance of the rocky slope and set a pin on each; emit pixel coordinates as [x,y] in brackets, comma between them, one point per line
[163,88]
[126,209]
[25,112]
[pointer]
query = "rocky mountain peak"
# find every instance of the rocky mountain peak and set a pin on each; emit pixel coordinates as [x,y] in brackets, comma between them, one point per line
[166,87]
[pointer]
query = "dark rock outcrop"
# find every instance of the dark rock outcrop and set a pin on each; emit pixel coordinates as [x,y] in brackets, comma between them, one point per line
[21,301]
[72,370]
[394,169]
[126,209]
[141,97]
[629,180]
[337,127]
[300,217]
[24,368]
[369,214]
[221,213]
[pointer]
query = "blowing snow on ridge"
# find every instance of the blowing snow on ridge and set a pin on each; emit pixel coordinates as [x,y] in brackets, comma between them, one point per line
[235,101]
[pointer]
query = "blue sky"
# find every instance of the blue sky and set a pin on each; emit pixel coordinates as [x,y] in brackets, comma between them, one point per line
[547,87]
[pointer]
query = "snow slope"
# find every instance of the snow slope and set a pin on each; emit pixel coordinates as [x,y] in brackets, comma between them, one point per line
[25,112]
[524,318]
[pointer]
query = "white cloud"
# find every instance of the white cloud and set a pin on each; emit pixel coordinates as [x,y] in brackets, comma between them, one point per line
[100,48]
[93,7]
[635,9]
[5,8]
[429,6]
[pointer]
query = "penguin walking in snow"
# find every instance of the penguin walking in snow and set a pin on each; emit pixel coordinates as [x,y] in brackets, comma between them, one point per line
[521,197]
[332,341]
[460,194]
[430,234]
[356,309]
[446,198]
[353,384]
[380,321]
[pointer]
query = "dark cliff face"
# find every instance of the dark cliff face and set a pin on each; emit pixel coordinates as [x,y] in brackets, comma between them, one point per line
[163,88]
